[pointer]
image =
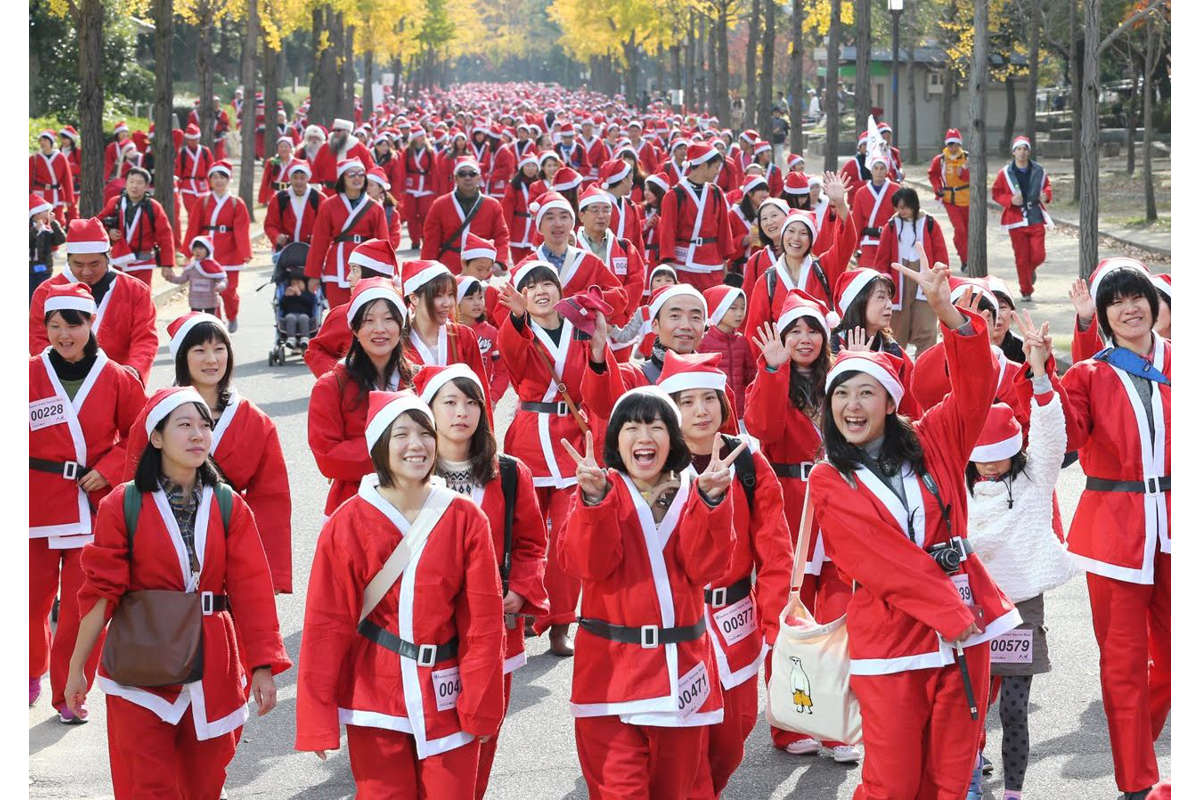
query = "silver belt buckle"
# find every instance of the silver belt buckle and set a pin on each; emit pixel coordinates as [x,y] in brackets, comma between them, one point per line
[718,597]
[71,470]
[426,655]
[806,468]
[649,636]
[561,408]
[206,603]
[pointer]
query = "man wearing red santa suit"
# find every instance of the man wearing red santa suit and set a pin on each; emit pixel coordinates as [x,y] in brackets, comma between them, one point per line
[177,740]
[1022,189]
[504,167]
[388,159]
[644,684]
[124,324]
[460,212]
[141,234]
[572,153]
[647,154]
[224,219]
[292,212]
[112,151]
[617,254]
[895,167]
[342,147]
[419,162]
[694,229]
[403,637]
[220,124]
[594,148]
[273,177]
[191,167]
[344,220]
[81,405]
[950,179]
[1119,418]
[374,258]
[50,176]
[871,208]
[890,500]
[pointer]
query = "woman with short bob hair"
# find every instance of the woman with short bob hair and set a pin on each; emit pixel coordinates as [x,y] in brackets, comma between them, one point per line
[192,534]
[645,537]
[402,629]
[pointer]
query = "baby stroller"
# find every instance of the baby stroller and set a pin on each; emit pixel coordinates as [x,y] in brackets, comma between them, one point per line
[290,267]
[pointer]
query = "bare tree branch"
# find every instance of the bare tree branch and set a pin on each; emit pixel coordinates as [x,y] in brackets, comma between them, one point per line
[1124,26]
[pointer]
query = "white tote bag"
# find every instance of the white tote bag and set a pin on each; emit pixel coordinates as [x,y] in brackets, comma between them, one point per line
[809,691]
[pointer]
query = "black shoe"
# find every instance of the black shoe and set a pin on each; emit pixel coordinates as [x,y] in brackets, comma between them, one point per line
[988,769]
[1136,795]
[1026,298]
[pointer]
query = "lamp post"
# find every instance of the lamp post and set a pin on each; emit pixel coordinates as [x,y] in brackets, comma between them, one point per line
[897,8]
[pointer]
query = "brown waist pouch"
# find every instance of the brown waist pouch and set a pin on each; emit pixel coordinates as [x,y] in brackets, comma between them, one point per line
[156,637]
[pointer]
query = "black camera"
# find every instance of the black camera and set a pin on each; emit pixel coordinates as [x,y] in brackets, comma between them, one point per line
[949,555]
[112,222]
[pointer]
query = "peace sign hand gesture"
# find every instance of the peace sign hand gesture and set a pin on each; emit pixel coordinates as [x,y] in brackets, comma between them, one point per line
[935,282]
[715,480]
[593,480]
[1036,344]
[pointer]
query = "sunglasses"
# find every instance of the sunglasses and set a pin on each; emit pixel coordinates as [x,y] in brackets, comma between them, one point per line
[471,174]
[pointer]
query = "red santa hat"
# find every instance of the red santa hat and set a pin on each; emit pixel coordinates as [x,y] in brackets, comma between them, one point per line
[297,165]
[1000,289]
[773,201]
[567,130]
[377,255]
[74,296]
[879,365]
[418,273]
[650,390]
[87,236]
[465,162]
[662,268]
[753,183]
[1162,282]
[796,183]
[1107,267]
[701,153]
[593,195]
[121,127]
[662,295]
[477,247]
[799,304]
[762,146]
[800,217]
[1021,141]
[545,154]
[192,131]
[429,379]
[48,134]
[719,299]
[635,123]
[348,164]
[693,371]
[415,131]
[70,133]
[164,401]
[38,204]
[852,283]
[959,286]
[793,159]
[342,125]
[614,171]
[547,201]
[660,180]
[1001,436]
[530,157]
[750,135]
[202,240]
[380,177]
[884,128]
[371,289]
[179,328]
[953,136]
[384,407]
[465,285]
[522,272]
[223,167]
[862,138]
[565,179]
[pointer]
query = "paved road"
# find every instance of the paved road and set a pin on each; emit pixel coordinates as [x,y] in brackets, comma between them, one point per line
[536,757]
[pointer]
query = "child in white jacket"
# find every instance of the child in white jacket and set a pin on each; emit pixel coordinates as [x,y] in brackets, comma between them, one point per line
[1009,524]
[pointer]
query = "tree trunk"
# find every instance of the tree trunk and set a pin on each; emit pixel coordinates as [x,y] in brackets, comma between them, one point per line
[706,69]
[1010,114]
[723,64]
[831,86]
[1035,53]
[368,79]
[631,88]
[397,64]
[977,147]
[766,83]
[347,105]
[89,28]
[949,78]
[911,87]
[164,142]
[862,64]
[687,79]
[1076,99]
[270,76]
[796,78]
[249,48]
[1131,126]
[204,73]
[1089,142]
[752,28]
[1152,43]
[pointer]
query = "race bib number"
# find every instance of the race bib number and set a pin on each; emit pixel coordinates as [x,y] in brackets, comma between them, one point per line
[693,690]
[1014,647]
[446,687]
[620,265]
[44,413]
[737,621]
[963,584]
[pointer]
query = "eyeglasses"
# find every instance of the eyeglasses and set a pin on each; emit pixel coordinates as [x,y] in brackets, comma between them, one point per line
[467,174]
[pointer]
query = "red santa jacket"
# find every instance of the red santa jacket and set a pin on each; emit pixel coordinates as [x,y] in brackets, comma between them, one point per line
[927,231]
[635,573]
[245,447]
[324,165]
[273,180]
[90,430]
[623,260]
[1116,533]
[456,344]
[438,239]
[1005,187]
[580,270]
[391,214]
[517,217]
[694,230]
[146,240]
[504,166]
[574,157]
[930,381]
[449,591]
[905,607]
[227,222]
[124,323]
[856,175]
[597,153]
[647,155]
[870,210]
[730,177]
[232,564]
[338,229]
[50,176]
[419,175]
[293,216]
[393,167]
[737,361]
[191,170]
[332,342]
[627,221]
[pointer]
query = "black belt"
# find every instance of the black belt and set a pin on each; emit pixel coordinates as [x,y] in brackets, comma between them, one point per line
[701,240]
[800,470]
[520,213]
[143,255]
[50,185]
[70,470]
[217,228]
[1147,486]
[426,655]
[350,237]
[212,603]
[721,596]
[962,188]
[560,408]
[647,635]
[874,233]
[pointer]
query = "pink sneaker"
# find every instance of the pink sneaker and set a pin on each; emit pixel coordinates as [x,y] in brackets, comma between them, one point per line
[35,690]
[67,717]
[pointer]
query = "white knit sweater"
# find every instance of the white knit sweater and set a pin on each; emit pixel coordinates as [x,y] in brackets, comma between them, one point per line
[1018,545]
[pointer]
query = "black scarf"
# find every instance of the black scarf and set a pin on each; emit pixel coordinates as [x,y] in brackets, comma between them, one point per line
[66,371]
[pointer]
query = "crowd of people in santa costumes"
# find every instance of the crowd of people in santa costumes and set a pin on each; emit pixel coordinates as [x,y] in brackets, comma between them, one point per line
[701,343]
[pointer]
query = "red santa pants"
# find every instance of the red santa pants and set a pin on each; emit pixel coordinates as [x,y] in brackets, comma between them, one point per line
[55,572]
[959,216]
[563,589]
[155,760]
[415,211]
[828,596]
[635,762]
[866,255]
[335,294]
[726,741]
[229,295]
[1029,251]
[487,750]
[918,737]
[1132,622]
[386,767]
[701,280]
